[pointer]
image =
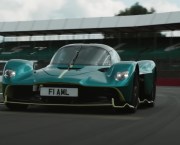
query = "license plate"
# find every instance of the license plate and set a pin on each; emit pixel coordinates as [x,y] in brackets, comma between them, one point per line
[64,92]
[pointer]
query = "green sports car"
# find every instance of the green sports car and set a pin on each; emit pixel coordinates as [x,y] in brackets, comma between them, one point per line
[80,75]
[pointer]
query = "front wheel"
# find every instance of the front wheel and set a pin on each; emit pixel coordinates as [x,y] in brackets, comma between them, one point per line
[16,107]
[152,96]
[135,93]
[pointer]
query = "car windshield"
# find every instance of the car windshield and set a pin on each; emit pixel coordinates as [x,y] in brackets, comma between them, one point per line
[82,55]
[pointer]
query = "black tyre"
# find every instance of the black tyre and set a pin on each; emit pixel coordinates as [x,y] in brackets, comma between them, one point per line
[152,96]
[16,107]
[135,93]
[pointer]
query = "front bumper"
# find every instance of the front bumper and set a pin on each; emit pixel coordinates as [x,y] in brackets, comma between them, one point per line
[88,96]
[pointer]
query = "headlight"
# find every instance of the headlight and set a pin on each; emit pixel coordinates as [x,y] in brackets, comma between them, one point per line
[9,73]
[121,75]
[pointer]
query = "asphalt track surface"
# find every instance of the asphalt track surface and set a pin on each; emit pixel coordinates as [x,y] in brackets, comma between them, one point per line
[95,126]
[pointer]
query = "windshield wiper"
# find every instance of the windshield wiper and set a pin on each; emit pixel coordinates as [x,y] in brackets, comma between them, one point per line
[74,59]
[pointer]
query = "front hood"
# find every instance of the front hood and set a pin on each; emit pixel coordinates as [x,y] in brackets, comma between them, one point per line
[74,71]
[86,75]
[81,75]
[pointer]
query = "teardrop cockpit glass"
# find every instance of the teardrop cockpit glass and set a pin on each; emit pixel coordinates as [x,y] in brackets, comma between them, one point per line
[82,55]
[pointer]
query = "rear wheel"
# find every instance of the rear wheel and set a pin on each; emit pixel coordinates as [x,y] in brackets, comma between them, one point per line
[16,107]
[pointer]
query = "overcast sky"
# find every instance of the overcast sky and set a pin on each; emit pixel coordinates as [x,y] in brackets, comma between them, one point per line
[20,10]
